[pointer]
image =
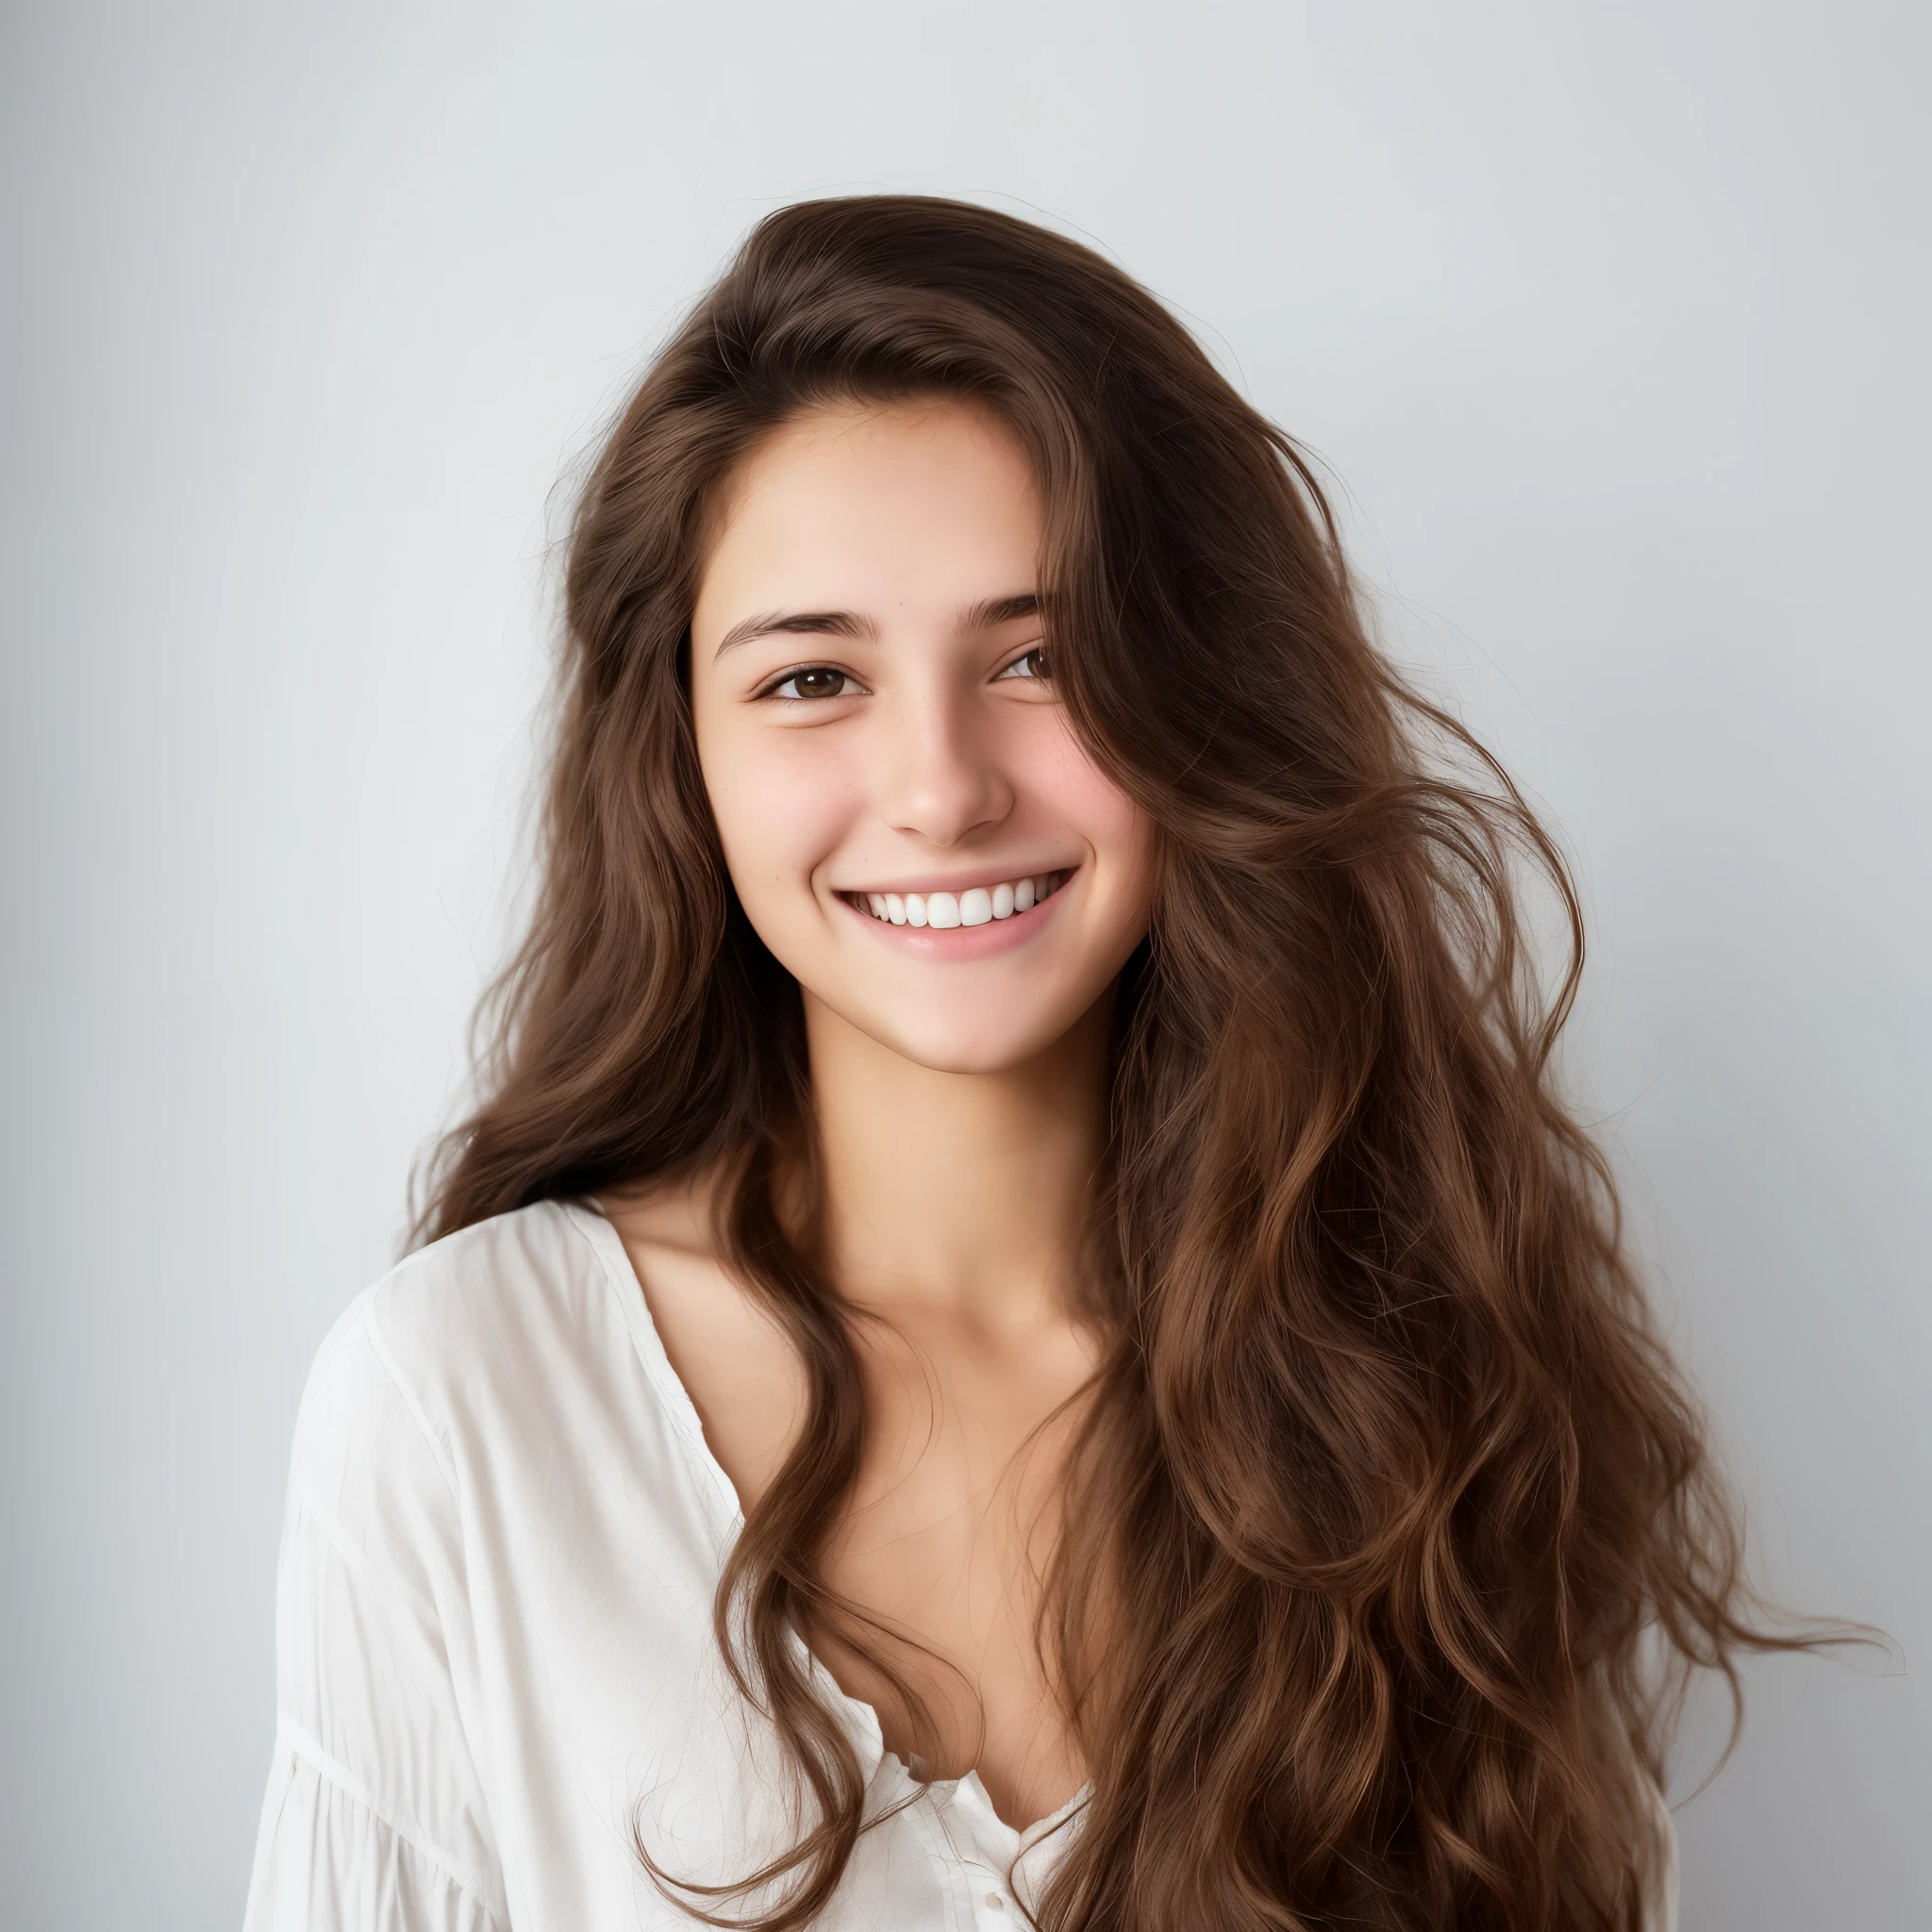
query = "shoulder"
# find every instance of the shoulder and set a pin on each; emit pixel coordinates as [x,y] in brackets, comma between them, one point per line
[495,1283]
[500,1405]
[482,1324]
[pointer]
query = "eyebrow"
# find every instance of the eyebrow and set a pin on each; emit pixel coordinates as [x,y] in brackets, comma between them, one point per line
[985,615]
[994,611]
[824,623]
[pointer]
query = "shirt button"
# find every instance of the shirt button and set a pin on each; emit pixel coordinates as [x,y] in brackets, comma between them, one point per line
[994,1903]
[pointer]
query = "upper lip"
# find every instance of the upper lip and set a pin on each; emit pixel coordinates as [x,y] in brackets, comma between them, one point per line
[984,881]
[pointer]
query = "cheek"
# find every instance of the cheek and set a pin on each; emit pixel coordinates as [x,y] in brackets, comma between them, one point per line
[781,802]
[1088,802]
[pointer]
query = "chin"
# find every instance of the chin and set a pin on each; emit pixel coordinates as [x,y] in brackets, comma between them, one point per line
[965,1046]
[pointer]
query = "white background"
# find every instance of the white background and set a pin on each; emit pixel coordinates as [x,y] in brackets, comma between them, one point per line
[1612,320]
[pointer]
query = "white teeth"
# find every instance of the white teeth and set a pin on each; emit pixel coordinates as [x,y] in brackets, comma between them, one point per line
[978,906]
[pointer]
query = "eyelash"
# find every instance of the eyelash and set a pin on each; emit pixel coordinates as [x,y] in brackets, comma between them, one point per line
[1041,672]
[777,685]
[776,689]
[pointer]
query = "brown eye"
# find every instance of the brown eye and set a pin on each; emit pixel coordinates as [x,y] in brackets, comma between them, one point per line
[1032,664]
[814,681]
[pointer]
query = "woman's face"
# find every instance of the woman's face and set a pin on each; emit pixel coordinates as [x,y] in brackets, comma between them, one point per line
[910,822]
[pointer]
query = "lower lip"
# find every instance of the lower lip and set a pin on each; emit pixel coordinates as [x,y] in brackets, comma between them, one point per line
[964,941]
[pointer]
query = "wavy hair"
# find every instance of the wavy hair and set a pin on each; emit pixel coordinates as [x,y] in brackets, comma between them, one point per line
[1394,1526]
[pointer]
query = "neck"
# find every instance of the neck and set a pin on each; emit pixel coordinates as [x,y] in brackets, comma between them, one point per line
[964,1193]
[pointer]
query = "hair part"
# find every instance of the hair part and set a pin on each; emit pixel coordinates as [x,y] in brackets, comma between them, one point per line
[1389,1499]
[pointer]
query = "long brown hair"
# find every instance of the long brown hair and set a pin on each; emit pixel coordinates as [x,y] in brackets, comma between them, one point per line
[1395,1524]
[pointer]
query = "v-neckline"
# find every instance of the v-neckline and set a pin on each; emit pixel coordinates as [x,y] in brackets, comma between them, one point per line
[727,1510]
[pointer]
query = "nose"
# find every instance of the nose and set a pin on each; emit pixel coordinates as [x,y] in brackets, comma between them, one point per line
[939,771]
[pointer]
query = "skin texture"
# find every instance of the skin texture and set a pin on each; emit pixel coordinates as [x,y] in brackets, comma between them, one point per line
[958,1078]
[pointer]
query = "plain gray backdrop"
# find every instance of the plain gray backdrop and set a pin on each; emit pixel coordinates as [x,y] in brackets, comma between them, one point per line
[1612,322]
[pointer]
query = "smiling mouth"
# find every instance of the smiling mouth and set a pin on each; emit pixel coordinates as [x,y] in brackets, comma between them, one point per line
[979,906]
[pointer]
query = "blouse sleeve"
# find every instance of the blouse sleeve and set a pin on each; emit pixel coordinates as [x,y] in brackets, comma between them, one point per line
[375,1819]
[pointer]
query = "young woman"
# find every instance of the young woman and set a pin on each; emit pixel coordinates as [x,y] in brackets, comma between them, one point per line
[1024,1331]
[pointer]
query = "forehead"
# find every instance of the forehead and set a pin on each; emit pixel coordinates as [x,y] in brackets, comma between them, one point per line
[924,500]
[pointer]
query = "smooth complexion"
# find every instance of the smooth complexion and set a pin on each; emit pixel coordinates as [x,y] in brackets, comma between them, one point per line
[877,721]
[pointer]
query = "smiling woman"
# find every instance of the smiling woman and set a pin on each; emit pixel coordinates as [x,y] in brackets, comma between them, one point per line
[929,761]
[1022,1330]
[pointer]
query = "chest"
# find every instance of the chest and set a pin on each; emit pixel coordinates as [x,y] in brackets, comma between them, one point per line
[942,1543]
[942,1538]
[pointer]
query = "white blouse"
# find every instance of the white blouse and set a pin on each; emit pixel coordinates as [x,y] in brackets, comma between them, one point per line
[495,1659]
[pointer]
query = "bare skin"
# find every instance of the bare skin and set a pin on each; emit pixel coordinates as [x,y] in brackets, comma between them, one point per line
[935,1538]
[958,1075]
